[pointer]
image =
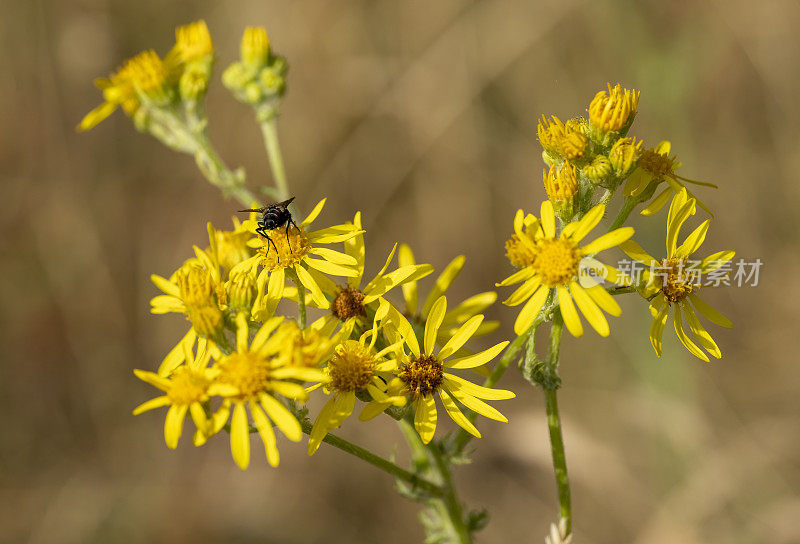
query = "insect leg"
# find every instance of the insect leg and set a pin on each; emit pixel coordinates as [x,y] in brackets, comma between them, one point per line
[288,243]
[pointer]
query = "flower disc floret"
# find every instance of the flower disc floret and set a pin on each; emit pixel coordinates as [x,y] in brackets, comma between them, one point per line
[249,372]
[557,261]
[351,367]
[289,253]
[422,375]
[348,303]
[188,386]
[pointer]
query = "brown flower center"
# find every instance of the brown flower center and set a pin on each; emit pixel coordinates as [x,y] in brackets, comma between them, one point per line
[348,303]
[423,375]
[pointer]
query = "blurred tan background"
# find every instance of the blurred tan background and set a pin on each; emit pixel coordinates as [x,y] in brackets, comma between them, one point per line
[423,115]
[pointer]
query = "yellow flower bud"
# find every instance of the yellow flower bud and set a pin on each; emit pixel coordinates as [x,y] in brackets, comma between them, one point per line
[562,139]
[599,170]
[254,49]
[624,154]
[194,80]
[613,110]
[560,183]
[192,42]
[196,286]
[241,291]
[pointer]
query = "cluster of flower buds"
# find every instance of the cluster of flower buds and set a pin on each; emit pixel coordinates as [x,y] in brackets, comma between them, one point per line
[259,78]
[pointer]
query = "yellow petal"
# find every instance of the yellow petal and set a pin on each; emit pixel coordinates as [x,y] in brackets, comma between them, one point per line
[433,323]
[331,268]
[176,355]
[568,312]
[240,436]
[710,313]
[425,418]
[716,260]
[684,338]
[165,285]
[405,257]
[700,333]
[403,326]
[456,414]
[267,434]
[478,391]
[587,223]
[471,306]
[604,300]
[531,310]
[336,257]
[173,425]
[263,333]
[608,240]
[152,404]
[282,417]
[548,219]
[461,336]
[153,379]
[94,117]
[475,404]
[321,426]
[657,328]
[693,241]
[308,282]
[443,282]
[589,309]
[242,333]
[674,226]
[657,203]
[314,213]
[523,292]
[637,253]
[518,276]
[478,359]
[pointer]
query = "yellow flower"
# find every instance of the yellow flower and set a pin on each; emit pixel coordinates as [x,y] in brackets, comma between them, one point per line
[551,262]
[455,317]
[422,374]
[293,249]
[192,42]
[562,139]
[149,76]
[118,90]
[613,110]
[254,48]
[655,166]
[309,347]
[351,301]
[675,281]
[229,247]
[194,290]
[186,388]
[561,185]
[249,378]
[355,366]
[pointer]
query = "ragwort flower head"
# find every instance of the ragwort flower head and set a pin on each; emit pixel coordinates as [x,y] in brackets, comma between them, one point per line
[186,388]
[423,374]
[293,250]
[654,167]
[562,139]
[548,262]
[249,379]
[675,285]
[355,367]
[355,300]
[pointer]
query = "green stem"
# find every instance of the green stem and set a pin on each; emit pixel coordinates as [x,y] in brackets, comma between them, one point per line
[269,129]
[428,457]
[301,296]
[627,207]
[377,461]
[510,353]
[554,425]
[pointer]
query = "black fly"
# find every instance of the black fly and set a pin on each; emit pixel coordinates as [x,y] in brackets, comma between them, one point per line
[275,216]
